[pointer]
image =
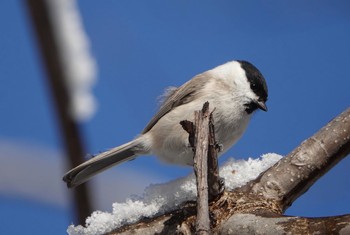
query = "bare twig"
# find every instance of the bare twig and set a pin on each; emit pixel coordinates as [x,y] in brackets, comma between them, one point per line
[200,141]
[215,184]
[200,166]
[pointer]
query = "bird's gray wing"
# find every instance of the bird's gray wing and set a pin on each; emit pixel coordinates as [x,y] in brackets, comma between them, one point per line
[176,97]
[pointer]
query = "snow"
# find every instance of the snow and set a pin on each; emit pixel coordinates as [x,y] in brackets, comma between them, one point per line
[161,198]
[79,65]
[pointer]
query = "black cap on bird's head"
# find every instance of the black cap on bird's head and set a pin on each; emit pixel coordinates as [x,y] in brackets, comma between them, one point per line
[258,86]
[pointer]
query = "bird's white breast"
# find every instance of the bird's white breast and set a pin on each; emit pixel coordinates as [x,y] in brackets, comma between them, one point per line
[170,141]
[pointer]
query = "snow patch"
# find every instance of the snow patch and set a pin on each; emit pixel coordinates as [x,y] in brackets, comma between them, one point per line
[161,198]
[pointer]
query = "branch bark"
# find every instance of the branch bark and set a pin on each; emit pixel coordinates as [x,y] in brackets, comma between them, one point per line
[216,184]
[257,207]
[199,143]
[202,139]
[291,177]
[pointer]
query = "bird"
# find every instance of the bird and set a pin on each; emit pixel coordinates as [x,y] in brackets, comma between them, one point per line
[236,89]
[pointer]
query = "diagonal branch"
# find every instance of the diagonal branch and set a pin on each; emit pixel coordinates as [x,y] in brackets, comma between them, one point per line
[258,206]
[299,170]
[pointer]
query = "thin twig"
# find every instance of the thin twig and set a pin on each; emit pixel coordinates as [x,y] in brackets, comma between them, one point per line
[216,185]
[201,169]
[199,140]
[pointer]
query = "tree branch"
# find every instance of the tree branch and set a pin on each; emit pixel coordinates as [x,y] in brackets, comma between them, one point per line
[200,165]
[299,170]
[199,143]
[215,183]
[258,206]
[232,219]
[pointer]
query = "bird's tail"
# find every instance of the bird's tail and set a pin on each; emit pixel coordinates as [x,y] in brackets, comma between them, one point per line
[101,162]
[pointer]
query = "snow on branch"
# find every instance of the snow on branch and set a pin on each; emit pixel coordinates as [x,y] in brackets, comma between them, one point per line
[300,169]
[159,199]
[257,193]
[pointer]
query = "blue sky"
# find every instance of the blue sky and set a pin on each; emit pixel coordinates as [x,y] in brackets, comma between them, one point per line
[302,49]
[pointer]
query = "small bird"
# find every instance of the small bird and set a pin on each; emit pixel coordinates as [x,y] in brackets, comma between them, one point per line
[235,89]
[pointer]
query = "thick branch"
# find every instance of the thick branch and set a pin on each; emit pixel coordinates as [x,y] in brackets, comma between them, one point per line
[299,170]
[258,206]
[239,222]
[253,224]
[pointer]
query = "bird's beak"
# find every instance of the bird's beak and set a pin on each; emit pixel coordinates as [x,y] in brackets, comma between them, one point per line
[261,105]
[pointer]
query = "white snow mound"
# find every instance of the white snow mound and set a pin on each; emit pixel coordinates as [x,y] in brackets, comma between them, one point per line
[161,198]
